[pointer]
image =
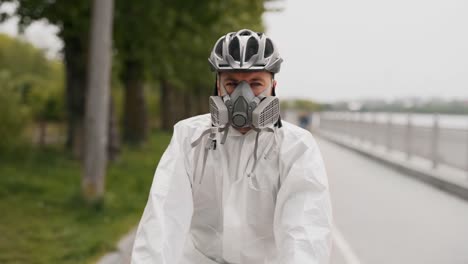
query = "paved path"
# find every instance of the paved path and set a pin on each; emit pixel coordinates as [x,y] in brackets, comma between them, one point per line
[384,217]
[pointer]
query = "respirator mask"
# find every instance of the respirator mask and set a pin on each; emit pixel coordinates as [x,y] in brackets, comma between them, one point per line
[243,109]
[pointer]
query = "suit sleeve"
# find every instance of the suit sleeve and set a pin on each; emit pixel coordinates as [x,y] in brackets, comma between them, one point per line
[303,215]
[166,219]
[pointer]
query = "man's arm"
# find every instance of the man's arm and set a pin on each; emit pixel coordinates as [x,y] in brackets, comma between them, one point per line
[166,219]
[303,216]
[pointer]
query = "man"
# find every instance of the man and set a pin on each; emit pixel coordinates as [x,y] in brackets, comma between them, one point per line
[238,185]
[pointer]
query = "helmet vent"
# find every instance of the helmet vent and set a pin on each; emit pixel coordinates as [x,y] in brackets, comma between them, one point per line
[245,33]
[252,48]
[234,49]
[219,48]
[268,48]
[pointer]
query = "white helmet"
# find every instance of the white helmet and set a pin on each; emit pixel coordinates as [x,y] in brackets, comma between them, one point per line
[245,50]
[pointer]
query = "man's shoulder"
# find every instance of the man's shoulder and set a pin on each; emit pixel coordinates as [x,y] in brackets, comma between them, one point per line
[293,135]
[194,122]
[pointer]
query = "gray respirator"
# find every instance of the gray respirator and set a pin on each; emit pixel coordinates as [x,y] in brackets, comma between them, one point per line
[243,109]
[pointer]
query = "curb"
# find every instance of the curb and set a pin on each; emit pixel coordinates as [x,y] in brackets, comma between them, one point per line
[434,178]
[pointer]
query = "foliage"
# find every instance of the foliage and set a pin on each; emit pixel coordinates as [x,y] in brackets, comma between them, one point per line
[70,16]
[37,80]
[44,219]
[168,40]
[302,105]
[73,20]
[173,39]
[13,115]
[31,89]
[204,24]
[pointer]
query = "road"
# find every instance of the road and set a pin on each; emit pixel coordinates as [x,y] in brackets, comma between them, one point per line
[384,217]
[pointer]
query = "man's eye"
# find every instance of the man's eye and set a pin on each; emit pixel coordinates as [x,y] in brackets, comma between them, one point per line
[256,84]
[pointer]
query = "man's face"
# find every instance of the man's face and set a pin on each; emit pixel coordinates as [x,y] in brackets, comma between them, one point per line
[259,82]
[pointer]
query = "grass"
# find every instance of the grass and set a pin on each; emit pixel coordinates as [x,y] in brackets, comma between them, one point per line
[44,220]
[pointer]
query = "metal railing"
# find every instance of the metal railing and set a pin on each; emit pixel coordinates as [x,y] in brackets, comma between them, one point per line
[441,139]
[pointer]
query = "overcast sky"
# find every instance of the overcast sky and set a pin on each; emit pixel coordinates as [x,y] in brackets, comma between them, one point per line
[40,33]
[341,49]
[345,49]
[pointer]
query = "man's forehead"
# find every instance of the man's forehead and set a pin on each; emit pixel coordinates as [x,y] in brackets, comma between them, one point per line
[237,75]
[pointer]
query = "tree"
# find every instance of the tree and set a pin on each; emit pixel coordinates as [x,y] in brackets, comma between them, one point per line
[72,17]
[137,24]
[97,105]
[185,75]
[302,105]
[164,42]
[34,80]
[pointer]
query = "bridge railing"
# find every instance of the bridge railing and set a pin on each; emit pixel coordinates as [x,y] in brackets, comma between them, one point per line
[441,139]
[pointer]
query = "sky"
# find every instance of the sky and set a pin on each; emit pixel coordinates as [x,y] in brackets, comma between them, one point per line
[351,50]
[41,34]
[364,49]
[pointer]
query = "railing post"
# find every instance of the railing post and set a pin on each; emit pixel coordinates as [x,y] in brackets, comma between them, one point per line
[375,132]
[435,141]
[408,135]
[389,132]
[357,125]
[350,126]
[357,128]
[360,127]
[345,124]
[341,124]
[364,127]
[466,152]
[315,124]
[362,119]
[315,120]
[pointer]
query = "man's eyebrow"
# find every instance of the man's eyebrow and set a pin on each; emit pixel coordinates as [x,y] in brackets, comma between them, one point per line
[257,79]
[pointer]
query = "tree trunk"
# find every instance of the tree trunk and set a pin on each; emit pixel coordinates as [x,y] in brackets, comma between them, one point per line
[165,111]
[75,61]
[42,133]
[188,99]
[97,103]
[178,104]
[113,147]
[202,101]
[136,112]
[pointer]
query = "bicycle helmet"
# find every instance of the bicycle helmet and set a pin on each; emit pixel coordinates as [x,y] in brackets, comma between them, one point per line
[245,50]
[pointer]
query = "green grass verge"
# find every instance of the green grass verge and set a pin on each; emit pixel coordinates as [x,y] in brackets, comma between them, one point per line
[44,220]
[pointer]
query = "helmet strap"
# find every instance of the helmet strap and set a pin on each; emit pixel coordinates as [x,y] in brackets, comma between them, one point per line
[215,92]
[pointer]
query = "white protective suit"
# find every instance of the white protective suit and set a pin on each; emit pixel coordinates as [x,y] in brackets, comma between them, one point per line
[277,212]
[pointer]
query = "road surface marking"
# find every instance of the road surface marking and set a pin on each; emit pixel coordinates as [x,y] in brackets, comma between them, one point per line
[343,246]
